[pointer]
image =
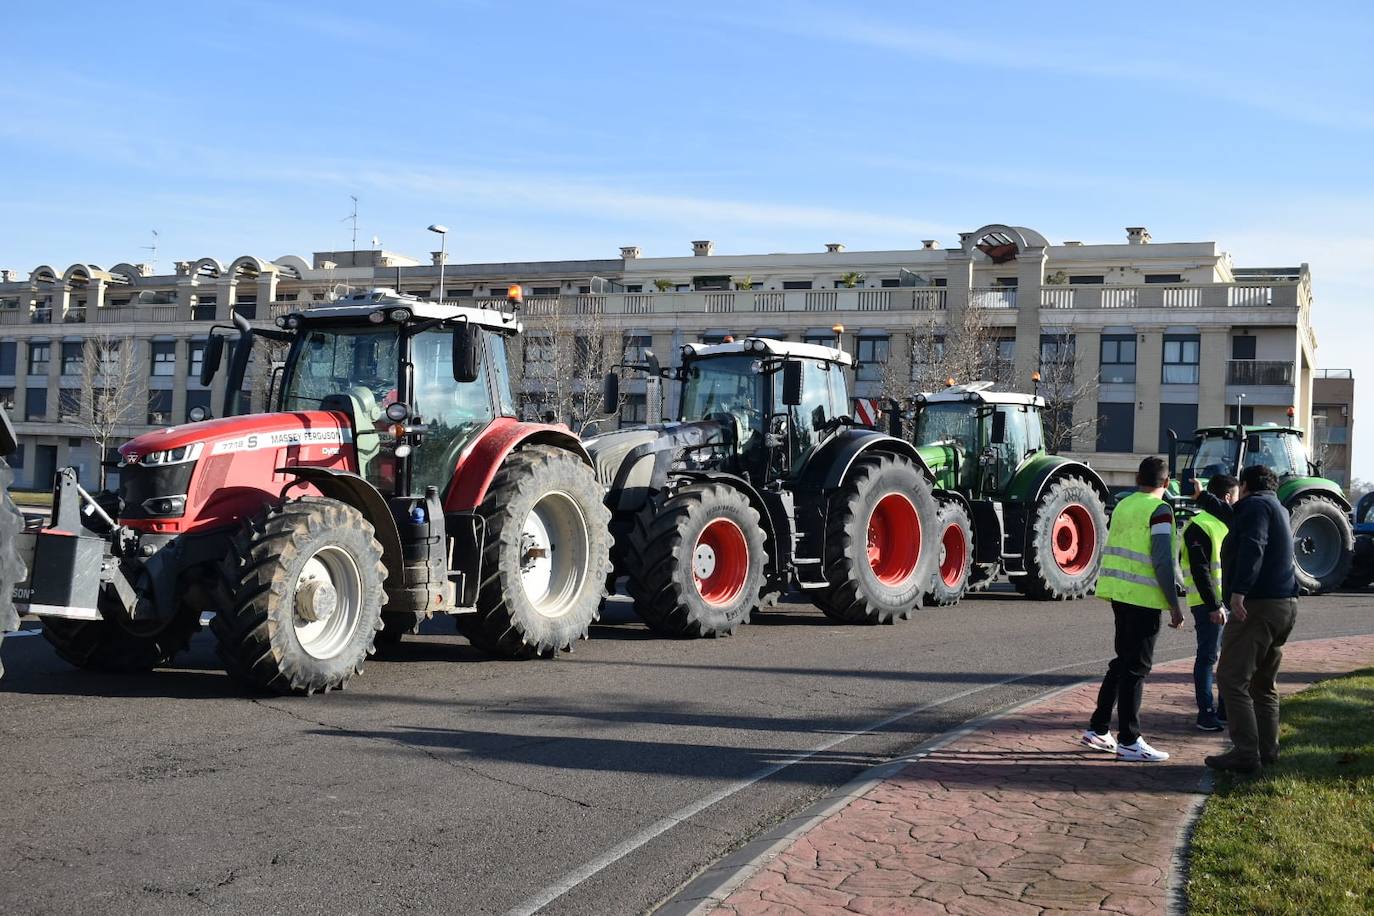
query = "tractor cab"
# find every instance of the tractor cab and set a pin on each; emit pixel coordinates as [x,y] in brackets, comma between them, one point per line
[975,439]
[1216,450]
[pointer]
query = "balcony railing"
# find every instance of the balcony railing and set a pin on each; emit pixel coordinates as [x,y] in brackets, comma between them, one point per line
[994,297]
[1259,372]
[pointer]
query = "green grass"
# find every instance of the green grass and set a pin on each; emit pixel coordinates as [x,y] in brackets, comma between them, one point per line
[1299,837]
[32,500]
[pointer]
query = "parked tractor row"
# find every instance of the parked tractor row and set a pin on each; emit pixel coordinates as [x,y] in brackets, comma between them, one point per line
[392,483]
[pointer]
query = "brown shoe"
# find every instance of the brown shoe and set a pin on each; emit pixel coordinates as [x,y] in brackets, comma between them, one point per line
[1232,762]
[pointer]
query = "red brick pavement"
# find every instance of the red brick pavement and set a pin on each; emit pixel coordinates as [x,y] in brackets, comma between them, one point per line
[1017,818]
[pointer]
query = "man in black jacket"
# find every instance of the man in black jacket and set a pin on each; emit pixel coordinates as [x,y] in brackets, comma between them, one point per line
[1203,538]
[1261,591]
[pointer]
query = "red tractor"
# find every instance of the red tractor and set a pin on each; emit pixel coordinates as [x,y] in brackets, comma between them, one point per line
[391,482]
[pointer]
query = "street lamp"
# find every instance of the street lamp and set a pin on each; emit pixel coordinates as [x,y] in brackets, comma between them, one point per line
[443,254]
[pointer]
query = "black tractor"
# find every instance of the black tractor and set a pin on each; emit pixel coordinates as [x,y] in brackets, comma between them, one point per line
[764,484]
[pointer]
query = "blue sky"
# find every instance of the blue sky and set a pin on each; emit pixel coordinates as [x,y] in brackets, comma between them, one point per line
[543,130]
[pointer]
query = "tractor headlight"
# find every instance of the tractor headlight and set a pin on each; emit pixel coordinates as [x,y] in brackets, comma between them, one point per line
[293,321]
[756,345]
[281,321]
[689,351]
[377,317]
[397,412]
[197,414]
[165,505]
[179,455]
[400,315]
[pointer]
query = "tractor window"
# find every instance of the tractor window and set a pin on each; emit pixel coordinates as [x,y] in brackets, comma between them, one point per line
[1214,456]
[500,368]
[722,384]
[353,362]
[812,416]
[451,413]
[1282,453]
[1011,452]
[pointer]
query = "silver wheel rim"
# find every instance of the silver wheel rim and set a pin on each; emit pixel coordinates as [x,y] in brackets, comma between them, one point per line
[327,603]
[553,554]
[1317,546]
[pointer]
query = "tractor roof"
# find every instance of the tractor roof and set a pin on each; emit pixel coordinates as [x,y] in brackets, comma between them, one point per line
[362,305]
[980,392]
[1249,430]
[766,346]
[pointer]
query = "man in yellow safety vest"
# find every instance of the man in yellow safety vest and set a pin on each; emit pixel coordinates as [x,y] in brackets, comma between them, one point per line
[1202,538]
[1141,579]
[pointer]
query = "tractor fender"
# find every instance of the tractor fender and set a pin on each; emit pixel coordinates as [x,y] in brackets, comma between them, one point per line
[827,469]
[755,499]
[477,466]
[1035,477]
[349,488]
[1290,491]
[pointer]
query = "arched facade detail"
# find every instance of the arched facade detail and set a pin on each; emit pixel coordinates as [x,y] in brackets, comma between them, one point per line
[207,269]
[1000,242]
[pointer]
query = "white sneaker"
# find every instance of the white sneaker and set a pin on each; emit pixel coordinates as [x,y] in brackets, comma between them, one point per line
[1098,742]
[1140,751]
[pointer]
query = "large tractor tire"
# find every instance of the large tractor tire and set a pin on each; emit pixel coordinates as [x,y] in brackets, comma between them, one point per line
[696,562]
[1323,544]
[1063,553]
[11,567]
[396,625]
[954,565]
[107,645]
[545,557]
[879,542]
[1362,566]
[304,595]
[983,576]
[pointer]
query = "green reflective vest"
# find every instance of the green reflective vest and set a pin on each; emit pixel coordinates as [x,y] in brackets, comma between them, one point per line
[1128,575]
[1215,530]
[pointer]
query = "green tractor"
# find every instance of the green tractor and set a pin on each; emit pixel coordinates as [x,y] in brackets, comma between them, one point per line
[1323,537]
[765,483]
[1006,504]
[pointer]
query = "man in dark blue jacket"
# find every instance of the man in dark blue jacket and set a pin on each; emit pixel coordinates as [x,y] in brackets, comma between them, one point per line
[1261,591]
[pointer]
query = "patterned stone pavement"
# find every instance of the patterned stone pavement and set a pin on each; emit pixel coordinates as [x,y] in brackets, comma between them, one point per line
[1017,818]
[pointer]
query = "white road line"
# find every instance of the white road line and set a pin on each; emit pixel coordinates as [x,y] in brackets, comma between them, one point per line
[619,851]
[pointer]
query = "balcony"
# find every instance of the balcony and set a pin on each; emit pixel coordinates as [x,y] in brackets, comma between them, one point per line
[1259,372]
[1171,296]
[992,297]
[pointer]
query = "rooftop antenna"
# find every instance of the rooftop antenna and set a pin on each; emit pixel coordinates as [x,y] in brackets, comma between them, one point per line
[354,217]
[152,248]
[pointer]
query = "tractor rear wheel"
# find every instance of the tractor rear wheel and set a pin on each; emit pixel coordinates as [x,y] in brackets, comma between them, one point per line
[954,566]
[303,587]
[1063,550]
[1323,544]
[696,562]
[879,553]
[545,556]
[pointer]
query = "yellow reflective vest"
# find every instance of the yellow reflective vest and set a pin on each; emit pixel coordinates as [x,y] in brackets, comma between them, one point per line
[1128,574]
[1216,531]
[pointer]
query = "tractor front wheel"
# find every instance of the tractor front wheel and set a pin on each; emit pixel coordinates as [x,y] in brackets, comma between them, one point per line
[1323,544]
[954,568]
[303,587]
[545,557]
[108,645]
[880,532]
[1063,553]
[696,562]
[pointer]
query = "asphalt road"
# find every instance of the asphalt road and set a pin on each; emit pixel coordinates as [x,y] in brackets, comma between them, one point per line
[442,781]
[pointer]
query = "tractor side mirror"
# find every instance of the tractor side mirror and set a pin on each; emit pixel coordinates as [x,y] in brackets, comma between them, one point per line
[210,360]
[1173,454]
[792,383]
[1252,444]
[655,370]
[465,355]
[999,427]
[610,393]
[894,419]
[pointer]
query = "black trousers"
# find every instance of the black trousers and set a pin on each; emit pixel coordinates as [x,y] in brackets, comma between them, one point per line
[1137,628]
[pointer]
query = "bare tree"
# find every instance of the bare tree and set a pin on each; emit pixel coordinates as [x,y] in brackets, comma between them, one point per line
[969,350]
[569,345]
[1063,386]
[111,397]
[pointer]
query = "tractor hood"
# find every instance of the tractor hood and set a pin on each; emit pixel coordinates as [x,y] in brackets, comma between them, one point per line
[238,434]
[632,461]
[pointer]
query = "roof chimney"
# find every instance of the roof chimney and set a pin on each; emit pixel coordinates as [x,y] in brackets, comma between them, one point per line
[438,257]
[629,252]
[703,249]
[1137,235]
[834,247]
[929,244]
[6,275]
[183,268]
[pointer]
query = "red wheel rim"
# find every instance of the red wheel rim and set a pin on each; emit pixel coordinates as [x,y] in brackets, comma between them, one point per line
[1074,539]
[720,562]
[894,539]
[955,555]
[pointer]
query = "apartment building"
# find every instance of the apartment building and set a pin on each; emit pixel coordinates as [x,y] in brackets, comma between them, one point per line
[1173,335]
[1333,422]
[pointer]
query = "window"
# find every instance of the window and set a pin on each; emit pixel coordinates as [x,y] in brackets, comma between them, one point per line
[1116,426]
[821,340]
[1164,278]
[7,398]
[1087,279]
[74,442]
[635,346]
[634,288]
[1247,415]
[458,294]
[925,353]
[1181,418]
[196,351]
[287,297]
[1242,347]
[710,339]
[1118,359]
[539,350]
[164,358]
[635,410]
[1057,350]
[1181,359]
[544,291]
[36,404]
[195,399]
[586,354]
[8,357]
[796,284]
[890,283]
[1006,282]
[69,402]
[204,308]
[421,292]
[16,461]
[872,356]
[160,407]
[73,357]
